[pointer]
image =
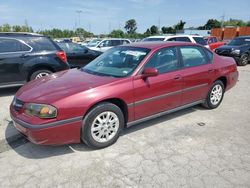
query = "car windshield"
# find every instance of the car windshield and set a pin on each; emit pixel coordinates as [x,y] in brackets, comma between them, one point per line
[93,43]
[200,40]
[117,62]
[153,39]
[239,42]
[71,47]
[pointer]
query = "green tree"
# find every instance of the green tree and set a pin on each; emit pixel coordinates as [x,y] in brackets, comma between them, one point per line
[234,22]
[212,23]
[154,30]
[5,28]
[16,28]
[180,25]
[166,30]
[130,26]
[117,33]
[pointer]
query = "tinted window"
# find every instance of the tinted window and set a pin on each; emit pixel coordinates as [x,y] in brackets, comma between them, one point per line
[72,47]
[209,55]
[192,56]
[116,42]
[215,39]
[12,45]
[105,43]
[125,42]
[164,60]
[200,40]
[120,61]
[181,39]
[153,39]
[41,44]
[239,41]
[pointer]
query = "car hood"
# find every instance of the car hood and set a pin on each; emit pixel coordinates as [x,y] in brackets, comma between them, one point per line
[59,85]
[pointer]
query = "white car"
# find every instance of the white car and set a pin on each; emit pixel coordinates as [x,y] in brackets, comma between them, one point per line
[105,44]
[182,38]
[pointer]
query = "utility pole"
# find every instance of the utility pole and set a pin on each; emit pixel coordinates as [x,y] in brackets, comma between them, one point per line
[79,17]
[222,20]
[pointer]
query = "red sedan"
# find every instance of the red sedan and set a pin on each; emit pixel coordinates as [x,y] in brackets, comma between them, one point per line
[124,86]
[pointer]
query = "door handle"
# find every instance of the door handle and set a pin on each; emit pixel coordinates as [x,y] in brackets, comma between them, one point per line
[177,77]
[211,70]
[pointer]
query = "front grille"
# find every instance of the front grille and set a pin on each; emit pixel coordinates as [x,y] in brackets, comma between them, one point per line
[17,104]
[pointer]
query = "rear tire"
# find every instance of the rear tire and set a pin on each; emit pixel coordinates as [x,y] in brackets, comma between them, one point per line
[243,59]
[101,127]
[39,74]
[215,95]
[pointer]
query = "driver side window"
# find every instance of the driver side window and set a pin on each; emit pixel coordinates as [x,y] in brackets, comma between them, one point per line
[164,60]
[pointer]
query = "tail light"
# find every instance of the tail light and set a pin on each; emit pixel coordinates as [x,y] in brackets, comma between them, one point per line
[62,56]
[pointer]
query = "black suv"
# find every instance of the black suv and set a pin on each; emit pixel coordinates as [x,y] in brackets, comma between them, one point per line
[238,48]
[27,56]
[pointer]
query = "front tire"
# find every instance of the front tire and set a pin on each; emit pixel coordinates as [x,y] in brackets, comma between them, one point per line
[243,59]
[101,127]
[215,95]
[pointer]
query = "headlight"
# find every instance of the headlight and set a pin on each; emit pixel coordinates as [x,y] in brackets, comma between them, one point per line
[40,110]
[235,51]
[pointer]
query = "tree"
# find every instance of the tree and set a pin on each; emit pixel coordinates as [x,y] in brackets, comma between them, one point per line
[235,22]
[5,28]
[154,30]
[212,23]
[117,33]
[180,25]
[131,26]
[166,30]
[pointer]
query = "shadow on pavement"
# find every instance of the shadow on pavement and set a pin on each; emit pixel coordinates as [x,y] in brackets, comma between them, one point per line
[29,150]
[8,91]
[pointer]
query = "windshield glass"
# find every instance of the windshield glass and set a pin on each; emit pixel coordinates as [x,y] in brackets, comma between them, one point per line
[200,40]
[153,39]
[239,42]
[93,43]
[117,62]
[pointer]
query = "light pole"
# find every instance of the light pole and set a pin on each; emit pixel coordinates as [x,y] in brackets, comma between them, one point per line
[79,17]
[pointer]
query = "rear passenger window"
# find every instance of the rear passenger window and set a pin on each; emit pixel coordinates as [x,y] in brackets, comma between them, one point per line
[210,55]
[164,60]
[41,44]
[180,39]
[116,42]
[12,45]
[125,42]
[192,56]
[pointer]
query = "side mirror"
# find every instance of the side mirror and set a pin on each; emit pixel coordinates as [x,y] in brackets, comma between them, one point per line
[149,72]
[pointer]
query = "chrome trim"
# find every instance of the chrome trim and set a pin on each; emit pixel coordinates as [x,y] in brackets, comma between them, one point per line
[19,40]
[163,113]
[46,125]
[169,94]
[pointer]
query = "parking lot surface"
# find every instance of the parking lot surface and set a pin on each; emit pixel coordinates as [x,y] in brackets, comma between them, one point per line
[190,148]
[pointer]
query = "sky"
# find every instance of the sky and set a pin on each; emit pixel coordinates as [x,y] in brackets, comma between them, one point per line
[102,16]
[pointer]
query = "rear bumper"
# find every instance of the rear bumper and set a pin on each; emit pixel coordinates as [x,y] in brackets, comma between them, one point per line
[56,133]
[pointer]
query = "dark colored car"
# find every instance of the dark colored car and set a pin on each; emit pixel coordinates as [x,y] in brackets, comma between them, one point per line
[238,48]
[78,55]
[123,86]
[27,56]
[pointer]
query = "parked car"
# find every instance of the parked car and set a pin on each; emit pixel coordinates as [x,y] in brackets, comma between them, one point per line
[106,44]
[213,42]
[123,86]
[27,56]
[181,38]
[238,48]
[77,54]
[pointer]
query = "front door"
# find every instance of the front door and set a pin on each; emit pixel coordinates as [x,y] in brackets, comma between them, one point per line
[162,92]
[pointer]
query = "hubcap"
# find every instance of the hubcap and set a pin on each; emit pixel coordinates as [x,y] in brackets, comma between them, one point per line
[216,94]
[245,59]
[42,74]
[105,126]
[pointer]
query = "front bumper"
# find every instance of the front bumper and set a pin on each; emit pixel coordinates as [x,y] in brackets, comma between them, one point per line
[55,133]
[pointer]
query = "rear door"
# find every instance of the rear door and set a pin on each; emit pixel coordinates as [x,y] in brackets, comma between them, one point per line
[162,92]
[13,53]
[197,73]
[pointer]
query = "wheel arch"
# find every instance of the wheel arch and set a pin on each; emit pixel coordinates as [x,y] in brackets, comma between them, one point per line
[38,67]
[224,80]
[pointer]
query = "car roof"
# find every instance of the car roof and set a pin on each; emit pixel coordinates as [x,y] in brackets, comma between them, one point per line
[159,44]
[170,36]
[20,34]
[243,37]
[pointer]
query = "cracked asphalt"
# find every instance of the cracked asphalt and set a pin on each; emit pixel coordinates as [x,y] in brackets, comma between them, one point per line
[191,148]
